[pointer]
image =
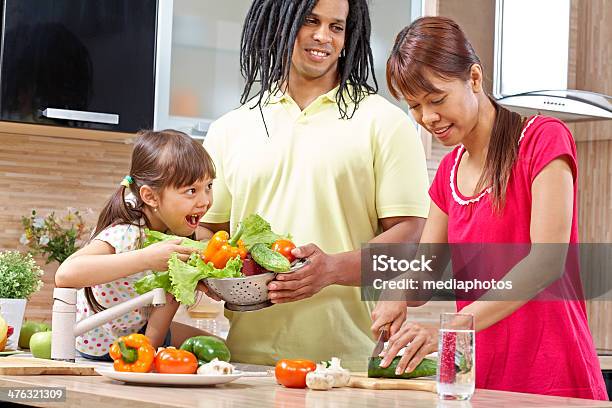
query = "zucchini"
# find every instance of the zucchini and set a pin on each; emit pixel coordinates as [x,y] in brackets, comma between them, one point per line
[426,368]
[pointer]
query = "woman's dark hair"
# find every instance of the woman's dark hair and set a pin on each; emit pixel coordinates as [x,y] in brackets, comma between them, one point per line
[438,45]
[266,47]
[162,159]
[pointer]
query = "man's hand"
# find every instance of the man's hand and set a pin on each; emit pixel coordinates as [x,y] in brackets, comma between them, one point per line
[310,279]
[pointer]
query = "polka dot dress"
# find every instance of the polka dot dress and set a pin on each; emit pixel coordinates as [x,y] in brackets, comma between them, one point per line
[97,342]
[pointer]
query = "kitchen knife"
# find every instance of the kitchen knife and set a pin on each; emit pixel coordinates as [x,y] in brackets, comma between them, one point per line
[382,337]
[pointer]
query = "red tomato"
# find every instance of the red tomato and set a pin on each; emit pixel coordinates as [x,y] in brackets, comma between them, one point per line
[292,373]
[284,247]
[175,361]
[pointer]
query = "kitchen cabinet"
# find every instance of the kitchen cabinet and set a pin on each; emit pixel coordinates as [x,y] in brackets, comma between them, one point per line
[198,72]
[78,64]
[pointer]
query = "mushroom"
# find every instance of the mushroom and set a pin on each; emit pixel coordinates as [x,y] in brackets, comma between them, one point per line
[319,379]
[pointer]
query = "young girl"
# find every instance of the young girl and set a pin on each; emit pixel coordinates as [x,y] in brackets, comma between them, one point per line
[509,180]
[168,189]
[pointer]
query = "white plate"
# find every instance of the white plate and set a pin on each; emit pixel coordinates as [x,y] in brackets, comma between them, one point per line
[168,379]
[10,352]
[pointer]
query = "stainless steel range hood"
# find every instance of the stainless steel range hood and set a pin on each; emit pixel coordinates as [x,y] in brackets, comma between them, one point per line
[531,56]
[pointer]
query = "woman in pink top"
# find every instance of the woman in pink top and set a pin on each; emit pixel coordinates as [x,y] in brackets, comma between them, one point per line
[509,180]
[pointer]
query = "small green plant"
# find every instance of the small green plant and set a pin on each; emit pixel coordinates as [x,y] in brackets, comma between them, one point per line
[52,237]
[19,275]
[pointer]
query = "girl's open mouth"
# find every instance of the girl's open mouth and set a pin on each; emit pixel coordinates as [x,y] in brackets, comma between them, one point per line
[193,220]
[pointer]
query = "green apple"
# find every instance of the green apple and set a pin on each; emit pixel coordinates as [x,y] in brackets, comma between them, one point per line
[28,329]
[40,344]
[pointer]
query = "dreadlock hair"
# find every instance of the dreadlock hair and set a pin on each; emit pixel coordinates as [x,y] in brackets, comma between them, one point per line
[268,37]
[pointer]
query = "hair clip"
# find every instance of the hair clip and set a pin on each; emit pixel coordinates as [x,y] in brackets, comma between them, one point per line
[127,180]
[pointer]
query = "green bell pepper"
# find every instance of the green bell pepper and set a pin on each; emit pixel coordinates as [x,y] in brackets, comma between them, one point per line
[206,349]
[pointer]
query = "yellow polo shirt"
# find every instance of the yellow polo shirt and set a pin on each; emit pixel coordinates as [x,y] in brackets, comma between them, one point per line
[324,180]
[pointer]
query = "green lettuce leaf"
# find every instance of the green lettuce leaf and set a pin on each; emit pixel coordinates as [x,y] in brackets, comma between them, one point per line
[153,237]
[184,279]
[153,281]
[255,230]
[184,276]
[233,269]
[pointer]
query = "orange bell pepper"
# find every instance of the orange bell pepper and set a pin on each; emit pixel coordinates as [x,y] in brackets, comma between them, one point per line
[221,249]
[224,254]
[219,239]
[132,353]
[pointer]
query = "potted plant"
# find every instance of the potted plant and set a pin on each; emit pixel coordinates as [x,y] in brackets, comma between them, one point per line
[20,277]
[51,237]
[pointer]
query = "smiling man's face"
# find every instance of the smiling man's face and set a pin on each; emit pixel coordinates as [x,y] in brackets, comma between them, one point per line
[320,41]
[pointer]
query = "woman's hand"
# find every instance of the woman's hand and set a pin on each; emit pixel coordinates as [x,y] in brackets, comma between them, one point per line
[156,256]
[419,342]
[388,312]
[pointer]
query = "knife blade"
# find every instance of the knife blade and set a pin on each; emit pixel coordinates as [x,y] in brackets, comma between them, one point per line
[382,337]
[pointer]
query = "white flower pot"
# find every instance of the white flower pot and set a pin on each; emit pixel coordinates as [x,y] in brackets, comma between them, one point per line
[13,310]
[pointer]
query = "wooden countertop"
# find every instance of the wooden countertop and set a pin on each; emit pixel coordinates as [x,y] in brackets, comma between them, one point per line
[95,392]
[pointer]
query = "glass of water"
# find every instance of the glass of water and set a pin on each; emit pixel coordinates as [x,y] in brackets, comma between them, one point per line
[455,379]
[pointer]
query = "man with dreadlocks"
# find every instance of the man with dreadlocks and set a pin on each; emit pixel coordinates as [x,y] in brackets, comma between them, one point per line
[317,153]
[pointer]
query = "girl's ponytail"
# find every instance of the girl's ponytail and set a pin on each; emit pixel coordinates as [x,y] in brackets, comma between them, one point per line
[120,208]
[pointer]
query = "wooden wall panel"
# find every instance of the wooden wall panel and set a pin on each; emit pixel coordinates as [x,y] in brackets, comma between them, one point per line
[479,31]
[595,223]
[590,54]
[595,191]
[50,173]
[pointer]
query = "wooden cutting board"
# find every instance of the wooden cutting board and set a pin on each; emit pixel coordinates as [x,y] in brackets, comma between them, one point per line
[39,366]
[361,380]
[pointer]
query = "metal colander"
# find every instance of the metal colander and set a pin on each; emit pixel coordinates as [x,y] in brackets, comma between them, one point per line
[248,293]
[243,294]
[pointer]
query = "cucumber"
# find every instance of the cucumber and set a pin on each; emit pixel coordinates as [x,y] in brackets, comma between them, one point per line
[426,368]
[269,259]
